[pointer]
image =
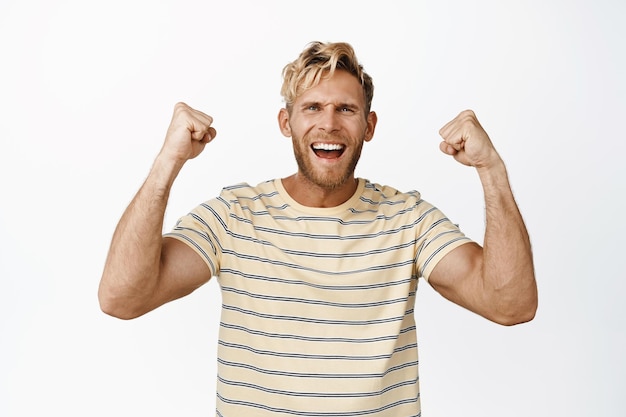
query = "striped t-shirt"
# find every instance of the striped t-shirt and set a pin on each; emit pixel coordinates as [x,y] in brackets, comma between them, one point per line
[317,303]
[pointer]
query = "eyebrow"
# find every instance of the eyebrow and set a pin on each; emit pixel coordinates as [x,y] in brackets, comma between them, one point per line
[317,103]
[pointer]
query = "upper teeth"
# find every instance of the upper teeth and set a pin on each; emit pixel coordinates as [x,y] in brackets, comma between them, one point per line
[328,146]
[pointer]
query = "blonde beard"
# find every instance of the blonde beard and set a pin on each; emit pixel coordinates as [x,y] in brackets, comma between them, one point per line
[325,181]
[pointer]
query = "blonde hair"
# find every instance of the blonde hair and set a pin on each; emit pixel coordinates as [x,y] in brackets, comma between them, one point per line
[319,60]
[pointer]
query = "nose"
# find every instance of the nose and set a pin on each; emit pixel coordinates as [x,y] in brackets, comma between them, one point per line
[329,119]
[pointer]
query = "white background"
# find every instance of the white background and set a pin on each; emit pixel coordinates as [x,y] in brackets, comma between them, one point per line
[86,94]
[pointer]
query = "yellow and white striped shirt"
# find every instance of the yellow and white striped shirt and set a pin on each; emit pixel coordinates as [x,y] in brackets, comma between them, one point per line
[317,314]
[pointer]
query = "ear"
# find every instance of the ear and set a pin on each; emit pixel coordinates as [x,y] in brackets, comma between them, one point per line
[283,122]
[372,119]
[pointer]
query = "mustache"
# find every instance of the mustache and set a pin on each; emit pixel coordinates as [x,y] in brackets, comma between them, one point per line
[326,137]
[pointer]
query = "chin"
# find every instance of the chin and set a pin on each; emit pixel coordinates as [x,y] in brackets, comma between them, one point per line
[330,182]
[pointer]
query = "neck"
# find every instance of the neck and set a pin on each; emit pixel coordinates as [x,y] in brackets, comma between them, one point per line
[311,195]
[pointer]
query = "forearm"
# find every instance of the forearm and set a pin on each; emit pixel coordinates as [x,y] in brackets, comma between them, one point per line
[132,267]
[508,271]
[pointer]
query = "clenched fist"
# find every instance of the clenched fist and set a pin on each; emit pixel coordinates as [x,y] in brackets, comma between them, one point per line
[466,140]
[189,131]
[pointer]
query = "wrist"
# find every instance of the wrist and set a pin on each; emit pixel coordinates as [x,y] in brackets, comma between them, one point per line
[493,175]
[164,171]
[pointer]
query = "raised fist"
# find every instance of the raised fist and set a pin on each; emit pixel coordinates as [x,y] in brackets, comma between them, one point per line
[189,131]
[466,140]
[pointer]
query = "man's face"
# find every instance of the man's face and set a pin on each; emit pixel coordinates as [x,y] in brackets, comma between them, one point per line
[328,126]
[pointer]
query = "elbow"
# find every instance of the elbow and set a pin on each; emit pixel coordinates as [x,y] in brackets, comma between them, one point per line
[116,306]
[518,315]
[112,310]
[517,305]
[515,319]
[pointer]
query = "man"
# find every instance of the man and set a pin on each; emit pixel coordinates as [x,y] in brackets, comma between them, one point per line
[318,270]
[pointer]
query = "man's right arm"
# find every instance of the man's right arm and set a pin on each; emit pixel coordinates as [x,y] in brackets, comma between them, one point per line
[143,270]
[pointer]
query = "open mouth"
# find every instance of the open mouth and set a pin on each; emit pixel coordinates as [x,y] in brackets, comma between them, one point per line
[328,150]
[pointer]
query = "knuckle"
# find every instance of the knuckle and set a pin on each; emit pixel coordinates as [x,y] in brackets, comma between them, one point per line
[181,107]
[468,114]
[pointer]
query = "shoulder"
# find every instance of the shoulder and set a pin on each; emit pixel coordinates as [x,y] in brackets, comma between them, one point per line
[386,195]
[245,191]
[244,195]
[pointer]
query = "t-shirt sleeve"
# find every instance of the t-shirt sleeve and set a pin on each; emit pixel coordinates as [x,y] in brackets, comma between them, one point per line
[437,237]
[203,230]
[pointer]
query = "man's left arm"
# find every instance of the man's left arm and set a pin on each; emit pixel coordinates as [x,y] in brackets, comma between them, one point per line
[496,280]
